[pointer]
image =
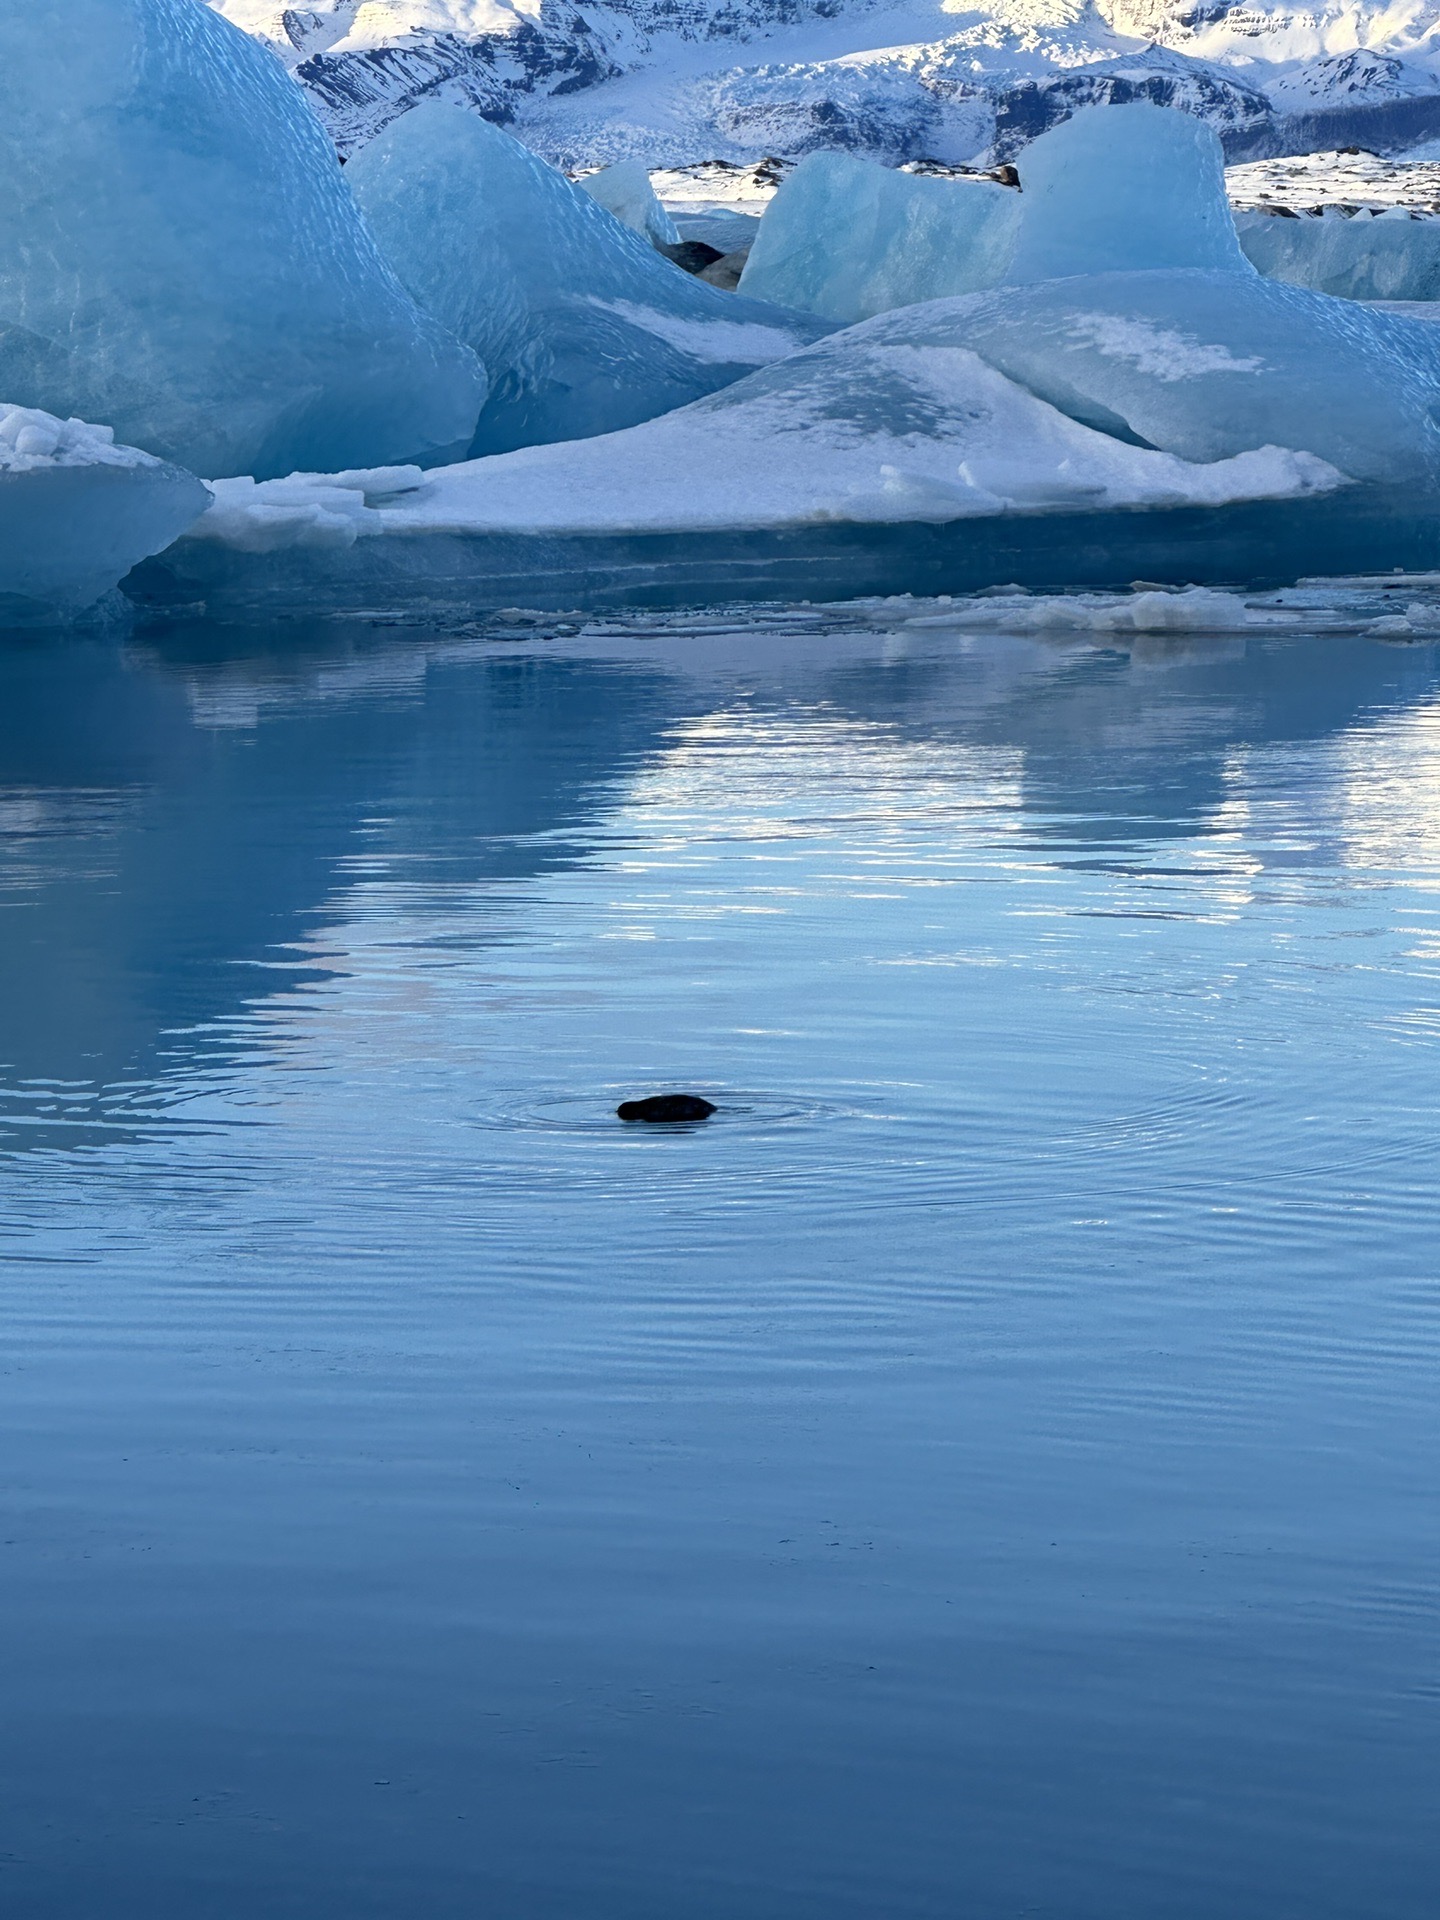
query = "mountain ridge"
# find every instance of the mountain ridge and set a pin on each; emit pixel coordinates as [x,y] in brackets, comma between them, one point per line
[676,81]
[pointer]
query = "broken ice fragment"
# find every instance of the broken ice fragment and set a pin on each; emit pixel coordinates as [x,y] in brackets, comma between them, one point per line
[77,512]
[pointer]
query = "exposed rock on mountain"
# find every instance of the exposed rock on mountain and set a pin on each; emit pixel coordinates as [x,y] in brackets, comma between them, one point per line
[674,81]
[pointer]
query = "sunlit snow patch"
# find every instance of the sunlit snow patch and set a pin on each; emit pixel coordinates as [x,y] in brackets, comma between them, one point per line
[874,432]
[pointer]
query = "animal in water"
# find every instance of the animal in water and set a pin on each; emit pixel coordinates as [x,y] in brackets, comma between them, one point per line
[666,1108]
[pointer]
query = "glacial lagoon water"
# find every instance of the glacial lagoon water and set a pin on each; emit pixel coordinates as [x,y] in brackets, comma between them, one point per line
[989,1469]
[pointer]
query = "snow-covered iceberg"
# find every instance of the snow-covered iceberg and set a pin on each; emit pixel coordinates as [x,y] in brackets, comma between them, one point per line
[583,326]
[1114,188]
[179,255]
[887,457]
[1386,256]
[1207,364]
[77,512]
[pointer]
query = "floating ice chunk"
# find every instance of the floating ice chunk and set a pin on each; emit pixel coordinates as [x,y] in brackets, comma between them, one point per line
[302,510]
[847,238]
[1206,365]
[866,428]
[1113,188]
[584,327]
[1124,188]
[77,512]
[179,254]
[625,189]
[1380,259]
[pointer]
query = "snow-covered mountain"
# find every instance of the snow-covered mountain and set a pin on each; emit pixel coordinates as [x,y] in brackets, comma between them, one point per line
[674,81]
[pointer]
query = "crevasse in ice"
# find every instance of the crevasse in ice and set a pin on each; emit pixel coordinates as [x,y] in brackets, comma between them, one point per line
[847,238]
[1113,188]
[77,512]
[1387,256]
[584,327]
[626,191]
[179,255]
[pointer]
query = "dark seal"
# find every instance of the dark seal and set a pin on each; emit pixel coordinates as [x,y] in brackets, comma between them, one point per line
[666,1107]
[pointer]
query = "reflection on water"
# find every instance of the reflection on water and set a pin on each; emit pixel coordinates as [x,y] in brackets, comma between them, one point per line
[987,1469]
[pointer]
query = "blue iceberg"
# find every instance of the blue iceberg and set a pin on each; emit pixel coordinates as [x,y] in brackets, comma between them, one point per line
[1112,189]
[180,258]
[583,326]
[888,457]
[1386,256]
[1123,189]
[1174,417]
[1206,365]
[847,238]
[625,191]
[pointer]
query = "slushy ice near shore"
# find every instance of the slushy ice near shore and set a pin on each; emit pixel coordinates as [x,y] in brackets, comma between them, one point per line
[180,259]
[583,326]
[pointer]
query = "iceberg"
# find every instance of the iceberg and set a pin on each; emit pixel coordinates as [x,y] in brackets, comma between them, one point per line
[1208,364]
[626,191]
[77,512]
[1135,187]
[848,239]
[584,327]
[1176,417]
[868,430]
[179,255]
[890,457]
[1124,189]
[1388,256]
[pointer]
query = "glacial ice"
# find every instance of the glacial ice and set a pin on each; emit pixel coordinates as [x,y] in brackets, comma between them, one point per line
[303,509]
[626,191]
[1113,188]
[179,255]
[847,238]
[895,421]
[1119,189]
[1208,364]
[77,512]
[1176,417]
[1385,257]
[583,326]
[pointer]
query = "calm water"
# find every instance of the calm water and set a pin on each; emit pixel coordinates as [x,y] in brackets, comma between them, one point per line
[988,1470]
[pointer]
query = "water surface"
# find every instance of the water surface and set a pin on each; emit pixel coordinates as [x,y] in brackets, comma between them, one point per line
[987,1470]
